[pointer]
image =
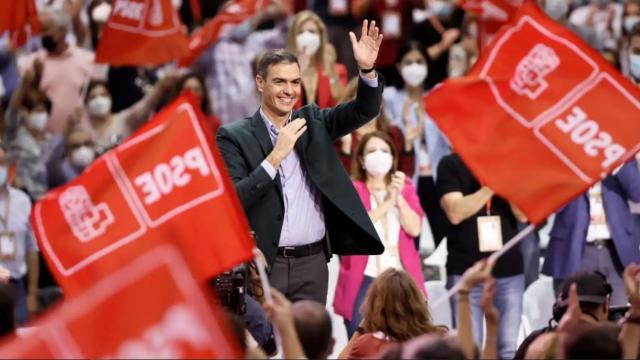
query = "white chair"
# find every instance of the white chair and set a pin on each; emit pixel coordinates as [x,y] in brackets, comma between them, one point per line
[537,305]
[442,313]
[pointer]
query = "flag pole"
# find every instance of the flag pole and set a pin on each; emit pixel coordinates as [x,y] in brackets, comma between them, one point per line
[510,244]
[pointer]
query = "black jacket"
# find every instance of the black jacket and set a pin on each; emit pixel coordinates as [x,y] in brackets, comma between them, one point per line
[245,144]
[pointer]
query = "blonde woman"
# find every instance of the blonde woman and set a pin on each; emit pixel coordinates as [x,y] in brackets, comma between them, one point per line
[322,78]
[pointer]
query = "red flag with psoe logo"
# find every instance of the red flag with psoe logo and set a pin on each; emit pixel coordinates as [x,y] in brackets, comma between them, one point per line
[529,119]
[142,32]
[148,309]
[20,18]
[233,13]
[166,183]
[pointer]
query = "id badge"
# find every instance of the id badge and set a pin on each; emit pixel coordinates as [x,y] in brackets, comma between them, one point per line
[338,7]
[489,233]
[8,246]
[391,28]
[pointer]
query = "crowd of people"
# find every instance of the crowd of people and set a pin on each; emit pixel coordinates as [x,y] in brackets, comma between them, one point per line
[319,116]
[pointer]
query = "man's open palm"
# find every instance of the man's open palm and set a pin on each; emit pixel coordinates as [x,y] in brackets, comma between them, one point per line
[365,50]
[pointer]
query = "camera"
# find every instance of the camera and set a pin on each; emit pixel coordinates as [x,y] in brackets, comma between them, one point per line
[230,288]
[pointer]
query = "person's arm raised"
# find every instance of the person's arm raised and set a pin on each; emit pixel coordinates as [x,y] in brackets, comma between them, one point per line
[459,207]
[347,117]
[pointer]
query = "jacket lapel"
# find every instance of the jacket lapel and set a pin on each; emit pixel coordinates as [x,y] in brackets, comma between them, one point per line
[261,134]
[301,144]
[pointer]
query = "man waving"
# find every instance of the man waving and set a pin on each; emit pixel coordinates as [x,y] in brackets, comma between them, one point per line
[296,195]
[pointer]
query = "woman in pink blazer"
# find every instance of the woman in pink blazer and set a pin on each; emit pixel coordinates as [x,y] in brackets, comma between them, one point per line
[394,208]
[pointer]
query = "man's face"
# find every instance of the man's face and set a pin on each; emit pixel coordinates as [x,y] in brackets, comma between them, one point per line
[281,89]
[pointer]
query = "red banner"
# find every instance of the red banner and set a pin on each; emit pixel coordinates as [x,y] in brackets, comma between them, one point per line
[164,184]
[142,32]
[235,12]
[20,18]
[541,116]
[151,308]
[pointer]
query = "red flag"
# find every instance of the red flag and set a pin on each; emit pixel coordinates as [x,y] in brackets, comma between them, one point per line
[541,116]
[492,15]
[150,308]
[235,12]
[20,18]
[164,184]
[142,32]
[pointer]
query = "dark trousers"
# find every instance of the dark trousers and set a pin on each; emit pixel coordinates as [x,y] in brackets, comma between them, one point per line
[602,258]
[20,310]
[301,278]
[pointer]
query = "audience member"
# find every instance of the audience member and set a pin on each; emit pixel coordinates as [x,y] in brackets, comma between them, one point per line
[18,248]
[595,232]
[323,79]
[393,207]
[66,68]
[474,211]
[30,144]
[76,152]
[347,145]
[394,311]
[422,137]
[430,346]
[313,325]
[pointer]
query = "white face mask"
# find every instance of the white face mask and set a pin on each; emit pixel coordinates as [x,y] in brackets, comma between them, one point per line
[38,120]
[308,42]
[82,156]
[630,22]
[634,66]
[99,106]
[414,74]
[378,163]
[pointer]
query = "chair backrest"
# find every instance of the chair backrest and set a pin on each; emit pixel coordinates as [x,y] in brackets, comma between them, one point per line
[538,303]
[442,313]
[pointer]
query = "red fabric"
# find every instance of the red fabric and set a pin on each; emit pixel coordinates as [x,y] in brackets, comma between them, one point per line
[196,10]
[352,267]
[142,32]
[147,309]
[517,118]
[234,12]
[166,183]
[20,18]
[406,160]
[324,97]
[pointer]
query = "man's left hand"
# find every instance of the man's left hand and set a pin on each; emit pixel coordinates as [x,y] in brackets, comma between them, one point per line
[365,50]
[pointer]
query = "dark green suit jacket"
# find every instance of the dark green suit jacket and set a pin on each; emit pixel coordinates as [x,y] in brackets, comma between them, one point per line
[245,144]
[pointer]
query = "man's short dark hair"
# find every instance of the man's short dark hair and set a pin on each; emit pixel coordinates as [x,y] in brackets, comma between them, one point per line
[313,325]
[274,57]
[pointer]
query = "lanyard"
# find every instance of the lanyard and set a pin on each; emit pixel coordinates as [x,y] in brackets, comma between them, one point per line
[488,207]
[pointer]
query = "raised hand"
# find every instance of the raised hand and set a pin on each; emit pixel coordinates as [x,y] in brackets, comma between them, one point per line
[287,138]
[491,313]
[632,286]
[365,50]
[479,272]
